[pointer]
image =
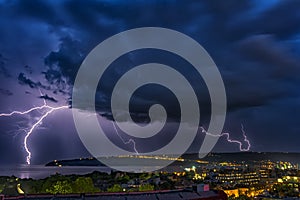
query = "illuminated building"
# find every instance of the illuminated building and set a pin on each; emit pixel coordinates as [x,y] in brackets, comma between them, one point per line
[286,165]
[238,177]
[292,181]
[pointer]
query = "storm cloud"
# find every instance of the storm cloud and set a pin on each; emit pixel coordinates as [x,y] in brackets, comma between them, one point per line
[255,45]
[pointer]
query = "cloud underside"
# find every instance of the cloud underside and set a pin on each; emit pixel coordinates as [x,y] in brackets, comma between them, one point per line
[254,46]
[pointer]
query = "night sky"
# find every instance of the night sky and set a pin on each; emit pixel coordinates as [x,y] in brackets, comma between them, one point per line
[255,44]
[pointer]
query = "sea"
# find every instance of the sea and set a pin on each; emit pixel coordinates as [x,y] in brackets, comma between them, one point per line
[41,171]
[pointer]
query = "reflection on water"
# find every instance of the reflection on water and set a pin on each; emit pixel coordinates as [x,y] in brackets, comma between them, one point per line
[40,171]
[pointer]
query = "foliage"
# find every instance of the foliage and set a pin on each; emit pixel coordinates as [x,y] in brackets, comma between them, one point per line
[146,187]
[145,176]
[115,188]
[1,187]
[167,185]
[241,197]
[284,190]
[60,187]
[50,182]
[84,185]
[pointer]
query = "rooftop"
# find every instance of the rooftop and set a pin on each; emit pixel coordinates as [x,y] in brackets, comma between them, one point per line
[155,195]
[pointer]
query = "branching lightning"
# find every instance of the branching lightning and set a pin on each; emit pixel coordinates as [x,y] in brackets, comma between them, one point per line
[126,142]
[24,112]
[51,109]
[227,135]
[28,132]
[245,138]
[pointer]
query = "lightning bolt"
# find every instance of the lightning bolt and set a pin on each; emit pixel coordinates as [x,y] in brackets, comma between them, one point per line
[126,142]
[227,135]
[245,138]
[50,109]
[24,112]
[130,141]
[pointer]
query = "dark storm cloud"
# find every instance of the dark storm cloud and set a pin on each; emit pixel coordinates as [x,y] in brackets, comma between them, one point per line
[26,81]
[5,92]
[268,73]
[93,17]
[3,69]
[282,20]
[48,98]
[253,44]
[38,10]
[28,69]
[265,49]
[256,64]
[54,84]
[246,39]
[23,80]
[68,59]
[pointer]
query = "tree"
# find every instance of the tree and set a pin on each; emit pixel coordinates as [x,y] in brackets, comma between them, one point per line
[123,179]
[84,185]
[1,187]
[60,187]
[146,187]
[49,182]
[283,190]
[115,188]
[241,197]
[165,186]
